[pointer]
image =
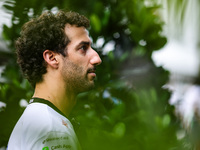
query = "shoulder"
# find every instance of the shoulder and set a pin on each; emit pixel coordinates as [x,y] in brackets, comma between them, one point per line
[36,116]
[36,120]
[34,123]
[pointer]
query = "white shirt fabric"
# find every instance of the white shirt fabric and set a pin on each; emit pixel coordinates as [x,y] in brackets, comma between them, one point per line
[42,126]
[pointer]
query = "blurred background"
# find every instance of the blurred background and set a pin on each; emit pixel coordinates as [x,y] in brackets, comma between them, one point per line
[147,94]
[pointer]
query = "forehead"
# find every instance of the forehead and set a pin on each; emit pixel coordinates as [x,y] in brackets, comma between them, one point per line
[77,34]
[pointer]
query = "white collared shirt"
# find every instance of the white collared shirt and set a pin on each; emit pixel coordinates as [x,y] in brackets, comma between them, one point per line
[43,127]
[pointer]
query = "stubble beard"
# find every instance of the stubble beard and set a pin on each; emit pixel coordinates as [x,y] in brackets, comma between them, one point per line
[76,78]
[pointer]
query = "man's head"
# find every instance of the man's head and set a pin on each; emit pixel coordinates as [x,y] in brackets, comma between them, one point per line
[52,33]
[78,68]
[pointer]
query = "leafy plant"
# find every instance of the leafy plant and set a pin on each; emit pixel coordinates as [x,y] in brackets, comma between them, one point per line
[128,109]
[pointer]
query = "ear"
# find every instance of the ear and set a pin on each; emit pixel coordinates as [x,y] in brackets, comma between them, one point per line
[51,58]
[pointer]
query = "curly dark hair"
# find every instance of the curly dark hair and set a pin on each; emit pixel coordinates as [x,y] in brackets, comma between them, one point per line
[40,34]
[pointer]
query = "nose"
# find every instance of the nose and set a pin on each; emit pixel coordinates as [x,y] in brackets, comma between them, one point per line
[95,59]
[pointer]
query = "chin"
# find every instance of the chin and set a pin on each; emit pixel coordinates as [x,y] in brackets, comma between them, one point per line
[86,87]
[90,87]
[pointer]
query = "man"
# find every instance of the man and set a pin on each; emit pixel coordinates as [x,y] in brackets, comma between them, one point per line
[55,55]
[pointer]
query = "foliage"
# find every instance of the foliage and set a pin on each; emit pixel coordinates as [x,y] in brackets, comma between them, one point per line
[122,112]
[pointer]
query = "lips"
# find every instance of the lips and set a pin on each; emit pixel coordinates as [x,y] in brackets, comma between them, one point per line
[91,73]
[92,70]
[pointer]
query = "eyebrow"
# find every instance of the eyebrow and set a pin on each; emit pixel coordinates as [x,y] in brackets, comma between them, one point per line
[84,43]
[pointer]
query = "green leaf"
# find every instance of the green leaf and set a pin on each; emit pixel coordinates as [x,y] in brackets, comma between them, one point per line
[95,23]
[166,120]
[119,130]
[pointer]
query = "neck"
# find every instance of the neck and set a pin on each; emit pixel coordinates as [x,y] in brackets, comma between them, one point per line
[59,95]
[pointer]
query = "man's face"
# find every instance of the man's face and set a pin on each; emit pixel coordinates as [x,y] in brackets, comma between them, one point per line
[78,69]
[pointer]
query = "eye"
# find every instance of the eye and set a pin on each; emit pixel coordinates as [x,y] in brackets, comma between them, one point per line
[84,47]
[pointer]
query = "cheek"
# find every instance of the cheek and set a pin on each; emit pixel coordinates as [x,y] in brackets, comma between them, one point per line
[75,63]
[80,65]
[70,68]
